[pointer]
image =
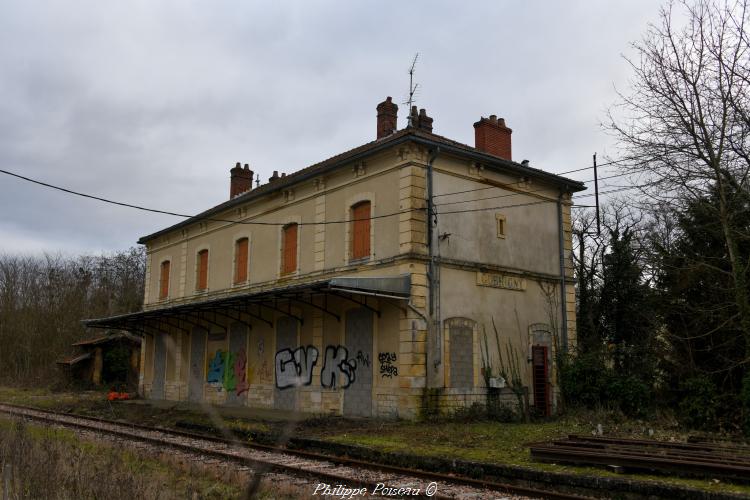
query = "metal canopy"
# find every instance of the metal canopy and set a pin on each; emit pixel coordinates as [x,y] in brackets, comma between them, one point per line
[392,287]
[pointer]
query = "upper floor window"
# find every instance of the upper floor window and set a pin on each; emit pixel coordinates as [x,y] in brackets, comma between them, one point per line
[500,225]
[361,230]
[201,282]
[289,249]
[164,280]
[241,248]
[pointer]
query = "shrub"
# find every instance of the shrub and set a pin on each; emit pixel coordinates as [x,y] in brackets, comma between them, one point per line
[697,407]
[631,394]
[584,380]
[745,401]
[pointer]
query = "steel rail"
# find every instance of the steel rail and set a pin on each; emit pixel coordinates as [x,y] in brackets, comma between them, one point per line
[644,455]
[448,478]
[718,456]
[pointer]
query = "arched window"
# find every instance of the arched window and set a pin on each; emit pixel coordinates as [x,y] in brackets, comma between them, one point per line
[201,282]
[361,230]
[289,249]
[241,249]
[164,280]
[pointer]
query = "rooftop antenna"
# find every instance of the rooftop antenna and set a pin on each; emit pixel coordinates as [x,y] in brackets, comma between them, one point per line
[412,89]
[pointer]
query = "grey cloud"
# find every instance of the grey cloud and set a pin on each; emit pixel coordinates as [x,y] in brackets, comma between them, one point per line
[152,103]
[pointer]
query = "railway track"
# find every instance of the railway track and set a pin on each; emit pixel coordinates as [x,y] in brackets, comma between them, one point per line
[705,459]
[323,469]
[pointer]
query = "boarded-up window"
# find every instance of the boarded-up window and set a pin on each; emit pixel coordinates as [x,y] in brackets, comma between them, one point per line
[202,281]
[164,280]
[462,356]
[240,260]
[289,249]
[361,230]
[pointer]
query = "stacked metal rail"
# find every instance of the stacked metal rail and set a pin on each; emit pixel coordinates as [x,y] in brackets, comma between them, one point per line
[706,459]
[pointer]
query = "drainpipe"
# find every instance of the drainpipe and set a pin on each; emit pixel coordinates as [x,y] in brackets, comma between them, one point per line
[564,306]
[433,310]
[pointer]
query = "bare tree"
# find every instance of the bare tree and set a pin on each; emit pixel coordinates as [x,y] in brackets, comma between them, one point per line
[43,299]
[683,128]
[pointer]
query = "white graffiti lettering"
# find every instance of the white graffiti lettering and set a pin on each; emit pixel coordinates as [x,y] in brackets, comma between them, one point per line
[335,364]
[294,367]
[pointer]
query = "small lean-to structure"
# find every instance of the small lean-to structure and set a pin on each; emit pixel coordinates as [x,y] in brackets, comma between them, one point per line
[104,360]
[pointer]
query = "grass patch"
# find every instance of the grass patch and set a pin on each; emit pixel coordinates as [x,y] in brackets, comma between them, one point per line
[507,443]
[474,440]
[53,463]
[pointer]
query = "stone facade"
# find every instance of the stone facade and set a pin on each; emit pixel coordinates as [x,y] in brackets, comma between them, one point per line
[360,353]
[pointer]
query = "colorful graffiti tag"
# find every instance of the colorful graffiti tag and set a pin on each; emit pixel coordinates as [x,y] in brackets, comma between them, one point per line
[228,370]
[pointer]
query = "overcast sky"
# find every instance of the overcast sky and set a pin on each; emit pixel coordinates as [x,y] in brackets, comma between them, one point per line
[152,103]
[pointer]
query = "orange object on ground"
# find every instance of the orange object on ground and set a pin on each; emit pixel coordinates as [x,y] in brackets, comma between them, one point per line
[113,396]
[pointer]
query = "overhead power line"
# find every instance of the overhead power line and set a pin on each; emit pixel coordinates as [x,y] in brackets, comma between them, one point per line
[263,223]
[506,195]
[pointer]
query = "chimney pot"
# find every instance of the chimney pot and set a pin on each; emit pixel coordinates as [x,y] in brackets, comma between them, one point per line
[492,136]
[240,180]
[387,118]
[421,120]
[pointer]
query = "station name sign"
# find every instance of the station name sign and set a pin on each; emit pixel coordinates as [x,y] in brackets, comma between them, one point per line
[497,280]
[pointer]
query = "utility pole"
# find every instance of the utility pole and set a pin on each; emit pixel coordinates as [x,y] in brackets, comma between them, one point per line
[596,195]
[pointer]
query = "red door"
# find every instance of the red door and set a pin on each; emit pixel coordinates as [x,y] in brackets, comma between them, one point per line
[541,379]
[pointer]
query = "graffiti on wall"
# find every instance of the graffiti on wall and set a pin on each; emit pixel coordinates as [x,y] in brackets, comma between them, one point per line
[387,367]
[363,359]
[337,366]
[240,372]
[294,367]
[216,368]
[228,371]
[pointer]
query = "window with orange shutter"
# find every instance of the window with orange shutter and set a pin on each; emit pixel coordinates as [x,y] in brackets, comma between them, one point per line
[240,260]
[361,230]
[202,281]
[289,252]
[164,280]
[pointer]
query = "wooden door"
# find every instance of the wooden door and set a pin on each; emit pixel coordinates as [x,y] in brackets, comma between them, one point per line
[540,369]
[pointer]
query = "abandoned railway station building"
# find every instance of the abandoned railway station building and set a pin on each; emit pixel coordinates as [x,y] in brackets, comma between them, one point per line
[362,284]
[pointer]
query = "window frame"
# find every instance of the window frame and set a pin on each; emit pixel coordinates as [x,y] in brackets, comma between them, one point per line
[236,264]
[283,270]
[203,251]
[164,284]
[501,225]
[353,226]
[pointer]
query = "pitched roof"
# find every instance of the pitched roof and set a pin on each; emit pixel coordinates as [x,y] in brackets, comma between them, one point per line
[408,134]
[103,339]
[74,359]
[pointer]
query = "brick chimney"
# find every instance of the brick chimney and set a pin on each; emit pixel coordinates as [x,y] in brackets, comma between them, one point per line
[493,137]
[420,120]
[241,180]
[387,118]
[424,122]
